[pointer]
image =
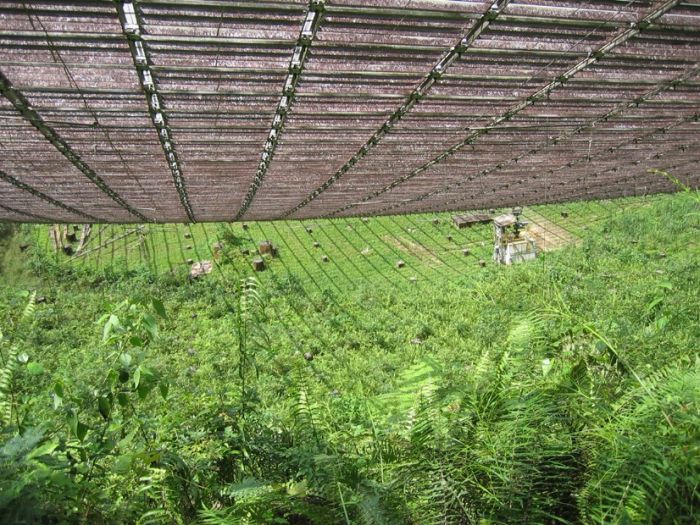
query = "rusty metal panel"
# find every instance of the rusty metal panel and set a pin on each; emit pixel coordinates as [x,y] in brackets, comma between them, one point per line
[395,106]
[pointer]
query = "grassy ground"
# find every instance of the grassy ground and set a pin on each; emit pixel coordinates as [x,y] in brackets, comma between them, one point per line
[564,390]
[358,251]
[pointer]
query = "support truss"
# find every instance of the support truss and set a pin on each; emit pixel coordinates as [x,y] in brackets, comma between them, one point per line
[130,20]
[397,108]
[307,34]
[463,200]
[24,213]
[613,113]
[587,191]
[434,76]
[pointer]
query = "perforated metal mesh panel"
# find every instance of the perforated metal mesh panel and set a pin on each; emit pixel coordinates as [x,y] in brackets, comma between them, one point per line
[212,110]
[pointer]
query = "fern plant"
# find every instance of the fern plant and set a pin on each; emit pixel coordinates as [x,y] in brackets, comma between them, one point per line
[507,455]
[9,364]
[250,316]
[645,462]
[28,465]
[10,356]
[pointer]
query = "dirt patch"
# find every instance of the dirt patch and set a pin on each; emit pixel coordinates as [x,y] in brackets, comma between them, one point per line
[548,235]
[412,248]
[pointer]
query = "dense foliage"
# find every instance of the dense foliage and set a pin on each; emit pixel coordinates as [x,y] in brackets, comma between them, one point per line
[566,390]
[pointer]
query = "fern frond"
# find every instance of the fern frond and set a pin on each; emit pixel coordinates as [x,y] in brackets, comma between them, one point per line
[651,383]
[6,377]
[526,332]
[414,386]
[29,308]
[209,516]
[645,463]
[155,487]
[304,412]
[250,298]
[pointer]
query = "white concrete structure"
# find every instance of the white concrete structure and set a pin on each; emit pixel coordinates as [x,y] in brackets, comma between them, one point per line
[511,244]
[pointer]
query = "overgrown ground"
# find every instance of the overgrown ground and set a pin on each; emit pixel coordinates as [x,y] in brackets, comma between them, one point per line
[561,391]
[359,251]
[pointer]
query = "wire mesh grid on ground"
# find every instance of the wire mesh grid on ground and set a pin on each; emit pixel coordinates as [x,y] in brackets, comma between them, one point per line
[335,255]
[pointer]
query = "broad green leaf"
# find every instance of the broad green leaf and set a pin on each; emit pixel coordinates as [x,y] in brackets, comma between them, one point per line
[112,377]
[123,464]
[137,377]
[159,308]
[151,325]
[661,323]
[125,360]
[112,324]
[654,303]
[164,387]
[58,392]
[81,431]
[35,369]
[144,388]
[43,450]
[126,442]
[122,399]
[148,457]
[72,421]
[104,404]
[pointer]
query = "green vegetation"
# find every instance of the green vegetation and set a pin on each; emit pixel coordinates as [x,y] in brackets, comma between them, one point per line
[566,390]
[359,252]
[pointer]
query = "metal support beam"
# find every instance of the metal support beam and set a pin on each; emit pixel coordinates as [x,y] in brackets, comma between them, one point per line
[310,26]
[433,76]
[29,214]
[461,201]
[613,113]
[132,26]
[381,110]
